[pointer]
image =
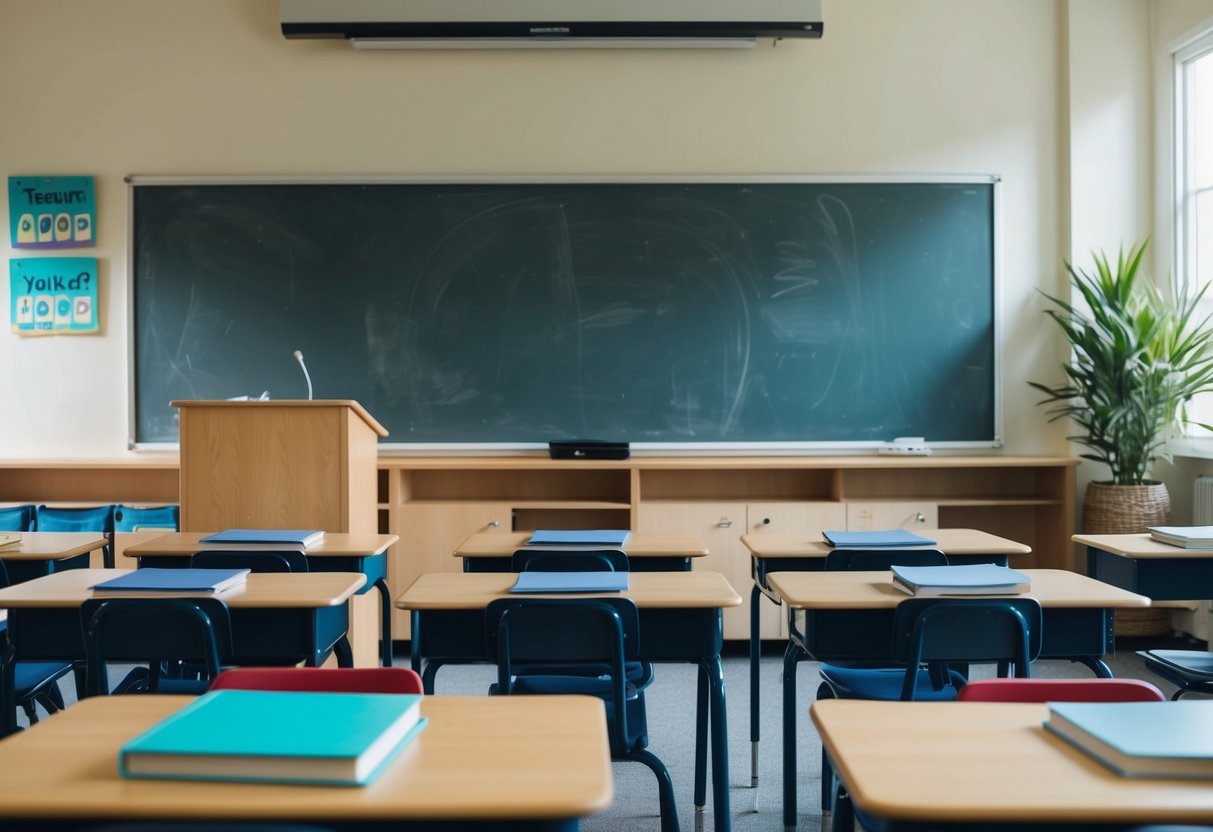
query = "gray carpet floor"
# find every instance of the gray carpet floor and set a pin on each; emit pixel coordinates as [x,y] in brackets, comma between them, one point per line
[671,703]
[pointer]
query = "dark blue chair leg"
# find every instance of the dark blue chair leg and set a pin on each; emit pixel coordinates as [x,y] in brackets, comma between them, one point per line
[792,657]
[8,692]
[428,674]
[701,742]
[343,652]
[385,622]
[665,788]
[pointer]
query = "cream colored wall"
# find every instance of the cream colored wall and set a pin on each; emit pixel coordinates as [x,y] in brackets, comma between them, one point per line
[152,87]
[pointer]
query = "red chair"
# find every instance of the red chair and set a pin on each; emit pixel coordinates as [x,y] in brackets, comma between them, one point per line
[331,680]
[1059,690]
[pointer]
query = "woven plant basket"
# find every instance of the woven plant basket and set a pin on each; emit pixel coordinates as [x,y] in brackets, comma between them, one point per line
[1129,509]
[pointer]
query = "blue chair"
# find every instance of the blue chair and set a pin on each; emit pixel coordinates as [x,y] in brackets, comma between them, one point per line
[569,560]
[929,634]
[17,518]
[876,560]
[135,519]
[256,561]
[549,637]
[99,519]
[34,683]
[1189,670]
[284,560]
[154,632]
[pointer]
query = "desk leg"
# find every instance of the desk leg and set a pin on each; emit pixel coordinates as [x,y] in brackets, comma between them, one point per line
[723,815]
[385,629]
[755,660]
[415,641]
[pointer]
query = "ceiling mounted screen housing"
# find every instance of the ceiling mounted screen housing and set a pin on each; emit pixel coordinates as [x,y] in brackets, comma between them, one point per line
[494,24]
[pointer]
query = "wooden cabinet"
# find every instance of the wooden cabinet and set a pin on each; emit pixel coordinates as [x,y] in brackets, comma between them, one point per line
[433,503]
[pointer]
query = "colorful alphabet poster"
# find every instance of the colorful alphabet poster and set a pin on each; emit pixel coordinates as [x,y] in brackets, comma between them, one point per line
[53,295]
[51,211]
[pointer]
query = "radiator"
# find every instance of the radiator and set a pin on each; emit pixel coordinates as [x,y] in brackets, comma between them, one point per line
[1202,501]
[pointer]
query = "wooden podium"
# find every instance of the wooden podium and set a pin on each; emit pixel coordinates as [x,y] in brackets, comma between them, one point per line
[284,465]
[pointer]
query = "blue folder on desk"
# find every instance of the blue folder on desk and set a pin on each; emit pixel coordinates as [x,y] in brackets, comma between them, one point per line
[579,537]
[196,581]
[883,537]
[570,582]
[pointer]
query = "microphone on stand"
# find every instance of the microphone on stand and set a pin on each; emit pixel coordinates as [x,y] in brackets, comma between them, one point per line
[302,366]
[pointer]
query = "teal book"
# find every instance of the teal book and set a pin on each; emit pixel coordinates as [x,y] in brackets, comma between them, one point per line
[585,537]
[338,739]
[570,582]
[1140,739]
[881,537]
[963,579]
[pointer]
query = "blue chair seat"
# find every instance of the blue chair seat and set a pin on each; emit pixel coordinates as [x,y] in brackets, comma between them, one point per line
[885,683]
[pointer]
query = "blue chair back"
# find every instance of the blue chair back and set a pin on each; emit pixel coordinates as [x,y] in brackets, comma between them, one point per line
[17,519]
[133,518]
[569,560]
[98,519]
[154,631]
[256,561]
[876,560]
[937,631]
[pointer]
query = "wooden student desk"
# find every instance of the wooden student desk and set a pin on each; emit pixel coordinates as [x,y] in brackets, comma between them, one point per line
[1139,564]
[491,551]
[338,552]
[680,621]
[482,762]
[848,616]
[916,765]
[275,618]
[41,553]
[782,552]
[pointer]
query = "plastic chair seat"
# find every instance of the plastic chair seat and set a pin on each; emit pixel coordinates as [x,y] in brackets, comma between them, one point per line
[339,679]
[1191,671]
[885,683]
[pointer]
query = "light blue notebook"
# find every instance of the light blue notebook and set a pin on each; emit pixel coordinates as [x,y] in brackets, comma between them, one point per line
[196,581]
[963,579]
[570,582]
[340,739]
[883,537]
[1140,739]
[587,537]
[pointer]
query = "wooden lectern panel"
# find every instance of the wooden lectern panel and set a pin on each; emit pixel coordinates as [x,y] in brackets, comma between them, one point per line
[306,465]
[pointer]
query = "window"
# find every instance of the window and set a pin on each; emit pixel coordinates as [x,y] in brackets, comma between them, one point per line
[1194,184]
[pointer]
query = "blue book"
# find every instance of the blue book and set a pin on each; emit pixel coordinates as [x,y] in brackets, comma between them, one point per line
[570,582]
[589,537]
[192,581]
[341,739]
[262,537]
[1140,739]
[884,537]
[964,579]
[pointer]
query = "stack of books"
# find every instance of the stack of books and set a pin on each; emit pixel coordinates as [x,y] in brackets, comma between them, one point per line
[883,538]
[1186,537]
[298,540]
[1140,739]
[342,739]
[967,579]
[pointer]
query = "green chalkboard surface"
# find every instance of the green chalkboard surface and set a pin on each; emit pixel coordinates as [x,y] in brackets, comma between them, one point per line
[723,313]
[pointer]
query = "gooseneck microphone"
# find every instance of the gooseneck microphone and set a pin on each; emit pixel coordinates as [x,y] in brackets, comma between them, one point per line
[302,366]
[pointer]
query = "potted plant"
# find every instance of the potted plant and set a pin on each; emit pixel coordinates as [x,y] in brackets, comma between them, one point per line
[1138,355]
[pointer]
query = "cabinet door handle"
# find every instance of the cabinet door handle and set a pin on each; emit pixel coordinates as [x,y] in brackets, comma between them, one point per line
[922,518]
[725,523]
[766,521]
[493,524]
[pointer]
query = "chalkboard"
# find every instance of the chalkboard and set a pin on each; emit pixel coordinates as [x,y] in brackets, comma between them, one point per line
[717,313]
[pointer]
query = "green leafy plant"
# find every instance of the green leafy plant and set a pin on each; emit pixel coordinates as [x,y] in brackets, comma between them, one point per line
[1138,356]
